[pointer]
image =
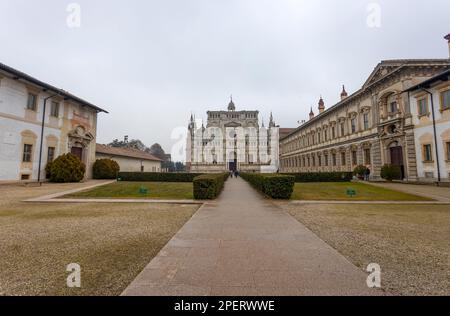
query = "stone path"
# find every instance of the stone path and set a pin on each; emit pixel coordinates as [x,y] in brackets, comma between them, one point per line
[243,245]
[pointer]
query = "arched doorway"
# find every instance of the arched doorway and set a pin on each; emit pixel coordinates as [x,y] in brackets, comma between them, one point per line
[396,157]
[232,162]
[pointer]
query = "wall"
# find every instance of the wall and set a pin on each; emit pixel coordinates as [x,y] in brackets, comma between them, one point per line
[424,133]
[19,125]
[128,164]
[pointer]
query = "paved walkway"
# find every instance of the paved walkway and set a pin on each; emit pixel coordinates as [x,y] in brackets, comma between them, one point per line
[244,245]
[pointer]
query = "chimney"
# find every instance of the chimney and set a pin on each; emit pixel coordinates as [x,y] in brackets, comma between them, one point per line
[344,93]
[321,105]
[311,114]
[448,39]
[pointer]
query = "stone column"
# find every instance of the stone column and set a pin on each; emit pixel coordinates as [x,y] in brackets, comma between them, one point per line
[411,158]
[376,160]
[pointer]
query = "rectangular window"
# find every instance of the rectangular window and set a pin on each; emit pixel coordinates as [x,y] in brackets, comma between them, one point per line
[447,146]
[333,132]
[343,157]
[367,156]
[342,129]
[54,110]
[334,160]
[319,159]
[353,122]
[393,107]
[422,107]
[27,153]
[326,160]
[31,104]
[366,121]
[445,100]
[50,154]
[313,161]
[427,156]
[354,158]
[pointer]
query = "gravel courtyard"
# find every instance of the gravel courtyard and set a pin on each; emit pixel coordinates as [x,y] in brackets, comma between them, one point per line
[111,242]
[410,242]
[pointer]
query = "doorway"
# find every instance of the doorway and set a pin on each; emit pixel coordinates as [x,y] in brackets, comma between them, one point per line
[77,151]
[397,159]
[232,164]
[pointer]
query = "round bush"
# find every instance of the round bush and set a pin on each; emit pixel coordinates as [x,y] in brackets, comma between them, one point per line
[360,171]
[67,168]
[106,169]
[391,172]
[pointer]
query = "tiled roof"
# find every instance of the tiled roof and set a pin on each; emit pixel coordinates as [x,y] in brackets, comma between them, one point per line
[125,152]
[47,87]
[285,131]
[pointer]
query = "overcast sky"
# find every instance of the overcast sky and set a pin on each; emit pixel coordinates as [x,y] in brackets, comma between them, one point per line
[152,63]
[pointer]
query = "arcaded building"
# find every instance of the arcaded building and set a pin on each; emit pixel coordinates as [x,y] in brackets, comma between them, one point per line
[373,126]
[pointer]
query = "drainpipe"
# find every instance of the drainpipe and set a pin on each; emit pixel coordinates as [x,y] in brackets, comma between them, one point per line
[435,136]
[42,136]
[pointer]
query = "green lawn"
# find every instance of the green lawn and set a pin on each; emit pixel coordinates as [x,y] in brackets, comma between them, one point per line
[338,191]
[156,190]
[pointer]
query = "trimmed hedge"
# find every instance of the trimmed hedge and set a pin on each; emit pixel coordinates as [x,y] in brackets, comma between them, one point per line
[360,171]
[157,177]
[209,186]
[391,172]
[105,169]
[274,185]
[66,168]
[322,176]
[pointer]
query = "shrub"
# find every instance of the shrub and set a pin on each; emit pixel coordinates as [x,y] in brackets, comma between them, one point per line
[157,177]
[48,168]
[273,185]
[360,171]
[391,172]
[322,176]
[105,169]
[67,168]
[209,186]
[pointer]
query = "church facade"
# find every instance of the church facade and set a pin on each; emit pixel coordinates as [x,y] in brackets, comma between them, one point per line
[232,141]
[373,126]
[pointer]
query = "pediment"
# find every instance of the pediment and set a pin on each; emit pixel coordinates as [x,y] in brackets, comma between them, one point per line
[381,71]
[233,124]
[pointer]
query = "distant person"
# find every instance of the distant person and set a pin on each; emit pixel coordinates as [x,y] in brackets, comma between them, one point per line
[367,174]
[236,174]
[231,174]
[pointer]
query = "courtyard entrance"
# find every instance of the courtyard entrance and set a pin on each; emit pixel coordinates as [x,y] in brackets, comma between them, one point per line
[77,151]
[397,159]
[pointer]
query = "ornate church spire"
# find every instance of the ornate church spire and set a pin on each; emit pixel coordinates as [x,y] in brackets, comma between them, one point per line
[231,106]
[344,93]
[272,122]
[321,105]
[311,114]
